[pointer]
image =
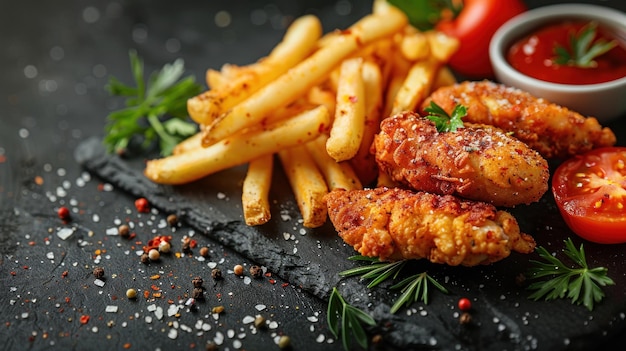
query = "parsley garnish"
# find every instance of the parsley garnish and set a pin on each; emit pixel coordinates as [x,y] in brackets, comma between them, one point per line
[352,319]
[581,52]
[443,121]
[582,284]
[413,288]
[154,111]
[424,14]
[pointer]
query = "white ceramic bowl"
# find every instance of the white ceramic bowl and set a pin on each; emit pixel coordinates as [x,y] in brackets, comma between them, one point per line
[605,101]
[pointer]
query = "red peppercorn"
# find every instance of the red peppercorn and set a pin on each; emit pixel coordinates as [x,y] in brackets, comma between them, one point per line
[465,304]
[142,205]
[63,213]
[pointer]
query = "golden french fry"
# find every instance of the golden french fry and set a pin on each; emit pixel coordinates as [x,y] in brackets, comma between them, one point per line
[255,191]
[298,42]
[364,163]
[444,78]
[194,142]
[238,149]
[307,183]
[442,46]
[308,73]
[416,86]
[346,131]
[415,46]
[337,174]
[215,79]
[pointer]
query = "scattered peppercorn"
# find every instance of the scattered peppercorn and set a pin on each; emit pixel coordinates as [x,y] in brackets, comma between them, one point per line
[217,309]
[124,230]
[98,272]
[260,322]
[145,258]
[131,293]
[63,213]
[204,251]
[238,270]
[165,246]
[464,304]
[172,220]
[465,318]
[142,205]
[197,282]
[284,342]
[197,293]
[154,254]
[216,273]
[256,271]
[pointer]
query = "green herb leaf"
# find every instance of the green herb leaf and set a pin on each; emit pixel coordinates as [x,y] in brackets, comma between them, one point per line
[156,111]
[582,50]
[352,321]
[443,121]
[424,14]
[583,285]
[414,288]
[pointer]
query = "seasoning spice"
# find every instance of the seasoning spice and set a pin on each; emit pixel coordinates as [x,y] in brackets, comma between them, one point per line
[204,251]
[216,273]
[197,282]
[284,342]
[142,205]
[256,271]
[144,258]
[131,293]
[260,322]
[63,213]
[172,220]
[465,318]
[197,293]
[165,246]
[98,272]
[464,304]
[238,270]
[154,255]
[124,230]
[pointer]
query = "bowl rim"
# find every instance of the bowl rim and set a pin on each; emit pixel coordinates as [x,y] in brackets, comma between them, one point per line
[536,17]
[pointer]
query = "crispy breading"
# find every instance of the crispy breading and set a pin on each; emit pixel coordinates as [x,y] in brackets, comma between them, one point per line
[475,162]
[394,224]
[553,130]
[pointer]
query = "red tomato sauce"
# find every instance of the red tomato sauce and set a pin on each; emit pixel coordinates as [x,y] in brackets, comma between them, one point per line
[533,55]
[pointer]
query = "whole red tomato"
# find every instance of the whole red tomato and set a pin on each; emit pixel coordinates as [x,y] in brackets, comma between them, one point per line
[474,27]
[590,192]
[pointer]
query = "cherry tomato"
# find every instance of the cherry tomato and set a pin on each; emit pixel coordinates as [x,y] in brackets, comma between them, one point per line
[465,304]
[474,27]
[590,192]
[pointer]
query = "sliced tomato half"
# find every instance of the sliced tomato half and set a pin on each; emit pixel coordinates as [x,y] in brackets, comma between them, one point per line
[590,192]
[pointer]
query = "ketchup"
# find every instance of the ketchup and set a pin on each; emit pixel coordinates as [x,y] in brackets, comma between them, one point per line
[533,55]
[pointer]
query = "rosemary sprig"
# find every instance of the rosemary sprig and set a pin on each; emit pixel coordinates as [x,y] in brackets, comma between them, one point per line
[582,50]
[352,320]
[443,121]
[413,288]
[581,284]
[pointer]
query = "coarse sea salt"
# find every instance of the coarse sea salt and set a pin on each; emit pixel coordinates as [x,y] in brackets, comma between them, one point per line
[65,233]
[111,309]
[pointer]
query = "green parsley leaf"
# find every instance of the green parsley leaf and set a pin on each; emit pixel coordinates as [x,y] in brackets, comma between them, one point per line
[443,121]
[156,111]
[582,50]
[583,285]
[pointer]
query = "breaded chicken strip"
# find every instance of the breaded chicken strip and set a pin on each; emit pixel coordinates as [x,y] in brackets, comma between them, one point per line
[554,131]
[394,224]
[477,163]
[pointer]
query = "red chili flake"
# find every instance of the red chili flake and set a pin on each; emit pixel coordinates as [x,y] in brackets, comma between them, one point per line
[67,299]
[100,187]
[63,213]
[284,285]
[465,304]
[353,99]
[141,204]
[146,294]
[154,287]
[13,273]
[25,267]
[193,244]
[127,345]
[84,319]
[64,274]
[31,243]
[272,281]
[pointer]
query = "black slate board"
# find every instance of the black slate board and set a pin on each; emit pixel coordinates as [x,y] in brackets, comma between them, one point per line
[503,318]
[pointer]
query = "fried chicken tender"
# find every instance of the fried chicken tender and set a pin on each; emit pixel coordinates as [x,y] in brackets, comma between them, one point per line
[394,224]
[553,130]
[475,162]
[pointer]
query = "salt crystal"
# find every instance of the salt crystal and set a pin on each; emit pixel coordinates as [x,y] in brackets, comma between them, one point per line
[247,280]
[65,233]
[110,309]
[230,333]
[24,315]
[218,338]
[185,328]
[260,307]
[237,344]
[273,325]
[148,319]
[158,313]
[112,231]
[172,334]
[151,308]
[320,338]
[98,282]
[50,255]
[312,319]
[172,310]
[247,320]
[206,327]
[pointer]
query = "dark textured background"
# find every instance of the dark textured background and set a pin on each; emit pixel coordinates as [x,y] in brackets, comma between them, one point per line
[56,60]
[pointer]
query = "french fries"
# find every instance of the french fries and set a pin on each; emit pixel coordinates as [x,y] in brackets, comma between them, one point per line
[316,102]
[256,189]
